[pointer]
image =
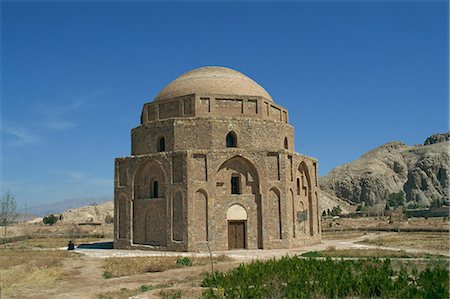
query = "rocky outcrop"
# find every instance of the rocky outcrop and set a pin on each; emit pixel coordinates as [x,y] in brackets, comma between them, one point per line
[420,171]
[436,138]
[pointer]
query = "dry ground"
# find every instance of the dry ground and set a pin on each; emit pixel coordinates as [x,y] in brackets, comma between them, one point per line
[385,222]
[36,268]
[419,240]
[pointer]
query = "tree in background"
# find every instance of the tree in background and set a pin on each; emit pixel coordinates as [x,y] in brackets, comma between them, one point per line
[437,203]
[336,211]
[396,200]
[50,219]
[8,212]
[109,218]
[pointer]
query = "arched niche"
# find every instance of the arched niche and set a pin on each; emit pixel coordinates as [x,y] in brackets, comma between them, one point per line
[294,212]
[201,215]
[122,217]
[236,212]
[274,205]
[149,181]
[249,191]
[177,217]
[306,193]
[239,167]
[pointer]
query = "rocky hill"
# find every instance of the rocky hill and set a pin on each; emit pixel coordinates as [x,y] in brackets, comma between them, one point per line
[91,213]
[420,171]
[66,204]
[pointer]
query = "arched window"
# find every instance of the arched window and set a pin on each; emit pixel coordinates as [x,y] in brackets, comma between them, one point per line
[286,145]
[154,191]
[231,139]
[161,144]
[298,186]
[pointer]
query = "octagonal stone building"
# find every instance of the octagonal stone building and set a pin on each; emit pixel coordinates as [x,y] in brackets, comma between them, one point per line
[213,162]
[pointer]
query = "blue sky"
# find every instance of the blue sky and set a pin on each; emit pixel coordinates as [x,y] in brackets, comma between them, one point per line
[74,77]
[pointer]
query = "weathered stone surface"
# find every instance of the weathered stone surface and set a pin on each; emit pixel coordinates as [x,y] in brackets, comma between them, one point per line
[211,142]
[420,171]
[437,138]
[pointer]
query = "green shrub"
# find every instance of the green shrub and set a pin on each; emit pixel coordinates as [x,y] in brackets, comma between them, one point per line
[109,219]
[50,219]
[184,261]
[298,277]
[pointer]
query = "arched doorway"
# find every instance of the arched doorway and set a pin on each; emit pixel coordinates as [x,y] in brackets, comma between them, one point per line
[237,227]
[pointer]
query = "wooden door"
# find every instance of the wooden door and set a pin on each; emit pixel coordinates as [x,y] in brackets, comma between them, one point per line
[236,235]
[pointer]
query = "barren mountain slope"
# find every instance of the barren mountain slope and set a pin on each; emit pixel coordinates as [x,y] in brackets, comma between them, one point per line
[92,213]
[421,171]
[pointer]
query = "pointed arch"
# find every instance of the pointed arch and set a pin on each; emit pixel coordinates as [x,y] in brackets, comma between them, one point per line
[275,208]
[306,192]
[245,171]
[201,215]
[238,166]
[149,181]
[122,216]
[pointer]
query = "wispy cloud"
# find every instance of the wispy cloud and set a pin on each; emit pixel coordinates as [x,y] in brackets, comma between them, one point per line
[78,177]
[20,136]
[46,117]
[58,117]
[58,125]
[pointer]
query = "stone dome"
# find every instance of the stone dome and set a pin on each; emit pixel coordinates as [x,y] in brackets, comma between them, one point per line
[214,80]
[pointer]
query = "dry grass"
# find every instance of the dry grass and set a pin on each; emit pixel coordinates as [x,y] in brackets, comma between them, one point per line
[433,241]
[127,266]
[124,293]
[24,270]
[342,235]
[385,222]
[367,253]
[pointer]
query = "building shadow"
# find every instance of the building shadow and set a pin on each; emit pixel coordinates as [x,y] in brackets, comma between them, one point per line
[98,245]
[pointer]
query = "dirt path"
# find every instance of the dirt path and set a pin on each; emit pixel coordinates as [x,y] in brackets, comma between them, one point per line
[84,279]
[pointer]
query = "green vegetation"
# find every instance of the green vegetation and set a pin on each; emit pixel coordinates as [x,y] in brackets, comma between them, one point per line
[50,219]
[437,203]
[109,219]
[171,294]
[367,253]
[336,211]
[7,211]
[396,200]
[184,261]
[297,277]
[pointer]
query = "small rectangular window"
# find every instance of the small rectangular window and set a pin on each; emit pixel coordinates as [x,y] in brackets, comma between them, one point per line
[235,184]
[154,190]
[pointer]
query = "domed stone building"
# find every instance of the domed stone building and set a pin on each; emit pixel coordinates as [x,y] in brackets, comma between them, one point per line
[213,161]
